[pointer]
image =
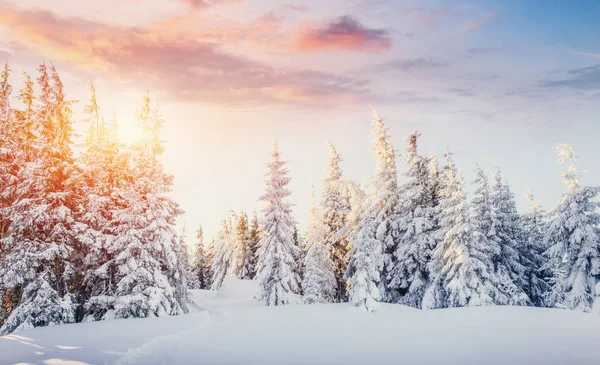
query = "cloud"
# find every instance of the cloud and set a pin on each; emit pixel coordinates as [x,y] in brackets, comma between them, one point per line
[478,50]
[343,33]
[474,25]
[178,67]
[586,78]
[412,97]
[295,7]
[462,92]
[264,30]
[205,4]
[407,65]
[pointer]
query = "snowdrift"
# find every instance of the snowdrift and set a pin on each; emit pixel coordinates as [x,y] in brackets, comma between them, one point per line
[231,333]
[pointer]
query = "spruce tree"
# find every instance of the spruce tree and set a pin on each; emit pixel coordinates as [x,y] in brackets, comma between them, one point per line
[336,207]
[506,232]
[38,266]
[277,252]
[201,271]
[243,253]
[253,242]
[468,273]
[147,258]
[573,241]
[319,283]
[377,230]
[534,223]
[417,219]
[221,262]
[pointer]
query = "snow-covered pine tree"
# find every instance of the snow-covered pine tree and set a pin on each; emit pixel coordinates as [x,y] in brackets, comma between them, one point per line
[277,252]
[222,254]
[101,169]
[506,232]
[573,241]
[8,179]
[377,230]
[147,259]
[253,241]
[417,219]
[201,271]
[466,271]
[38,266]
[534,223]
[18,146]
[318,283]
[243,254]
[335,208]
[481,216]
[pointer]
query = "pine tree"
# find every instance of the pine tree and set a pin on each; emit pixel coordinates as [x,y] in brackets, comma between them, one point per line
[468,272]
[38,267]
[377,231]
[506,232]
[534,223]
[277,252]
[221,262]
[573,241]
[8,179]
[243,254]
[253,241]
[201,272]
[417,219]
[319,283]
[336,207]
[148,261]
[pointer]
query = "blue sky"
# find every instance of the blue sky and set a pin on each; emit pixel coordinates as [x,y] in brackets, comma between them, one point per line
[497,82]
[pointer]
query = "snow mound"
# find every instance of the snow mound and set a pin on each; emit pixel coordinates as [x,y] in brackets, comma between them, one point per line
[236,289]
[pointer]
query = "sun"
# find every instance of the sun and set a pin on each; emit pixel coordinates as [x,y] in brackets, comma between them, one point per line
[129,132]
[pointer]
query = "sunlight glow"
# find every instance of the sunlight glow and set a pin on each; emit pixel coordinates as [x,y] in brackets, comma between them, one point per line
[128,132]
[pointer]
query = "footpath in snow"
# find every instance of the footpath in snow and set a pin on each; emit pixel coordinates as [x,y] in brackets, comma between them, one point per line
[229,327]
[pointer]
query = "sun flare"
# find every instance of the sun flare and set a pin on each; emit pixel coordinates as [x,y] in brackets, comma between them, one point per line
[129,132]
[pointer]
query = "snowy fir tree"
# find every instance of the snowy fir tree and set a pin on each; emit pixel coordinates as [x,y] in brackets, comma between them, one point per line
[533,223]
[466,271]
[276,273]
[200,267]
[242,252]
[573,241]
[377,231]
[506,232]
[418,224]
[147,265]
[336,207]
[319,282]
[41,239]
[253,242]
[222,255]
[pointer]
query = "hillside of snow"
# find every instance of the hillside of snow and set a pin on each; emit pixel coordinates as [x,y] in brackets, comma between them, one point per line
[230,327]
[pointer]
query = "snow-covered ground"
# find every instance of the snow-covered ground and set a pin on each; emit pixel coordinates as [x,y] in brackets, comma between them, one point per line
[230,327]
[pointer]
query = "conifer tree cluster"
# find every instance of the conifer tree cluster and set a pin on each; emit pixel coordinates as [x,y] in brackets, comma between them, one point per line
[89,236]
[234,251]
[417,240]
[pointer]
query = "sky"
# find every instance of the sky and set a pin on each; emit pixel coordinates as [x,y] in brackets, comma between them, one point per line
[499,83]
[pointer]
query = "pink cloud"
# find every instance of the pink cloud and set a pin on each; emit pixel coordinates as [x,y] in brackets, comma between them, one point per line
[178,67]
[474,25]
[295,7]
[204,4]
[344,33]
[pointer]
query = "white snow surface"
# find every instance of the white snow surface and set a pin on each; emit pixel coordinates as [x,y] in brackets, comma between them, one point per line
[229,327]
